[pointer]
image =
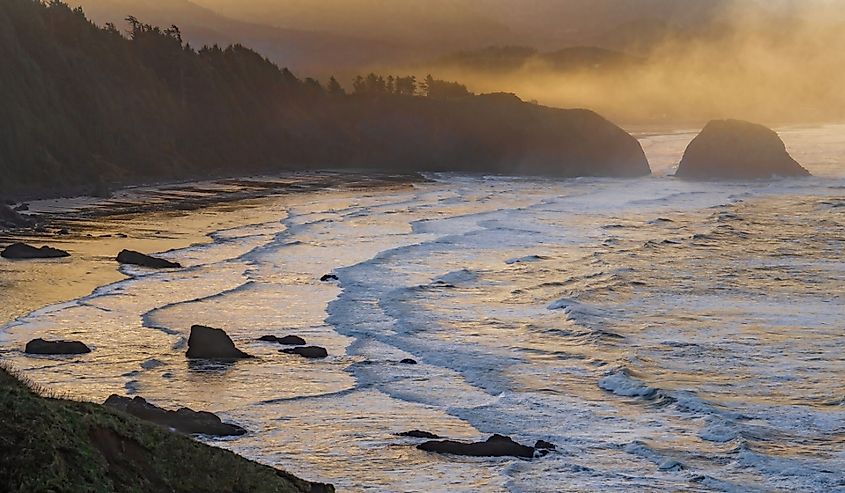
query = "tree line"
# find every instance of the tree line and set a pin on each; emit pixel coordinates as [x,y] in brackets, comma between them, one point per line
[86,106]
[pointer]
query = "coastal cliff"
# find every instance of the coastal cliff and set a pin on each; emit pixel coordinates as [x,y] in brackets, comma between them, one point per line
[88,108]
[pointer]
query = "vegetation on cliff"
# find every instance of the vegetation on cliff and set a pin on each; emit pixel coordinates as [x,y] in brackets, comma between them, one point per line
[86,106]
[57,445]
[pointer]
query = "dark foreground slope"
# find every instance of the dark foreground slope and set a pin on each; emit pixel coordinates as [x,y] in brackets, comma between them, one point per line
[64,446]
[82,105]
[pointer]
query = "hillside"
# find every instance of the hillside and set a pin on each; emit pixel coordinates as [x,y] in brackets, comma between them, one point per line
[59,445]
[308,51]
[90,107]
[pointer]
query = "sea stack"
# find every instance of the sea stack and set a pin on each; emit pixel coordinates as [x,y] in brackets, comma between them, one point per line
[737,150]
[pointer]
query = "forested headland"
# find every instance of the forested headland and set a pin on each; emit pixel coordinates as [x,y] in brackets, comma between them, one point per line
[85,107]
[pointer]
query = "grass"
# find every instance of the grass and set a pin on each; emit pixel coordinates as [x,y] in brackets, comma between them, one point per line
[56,445]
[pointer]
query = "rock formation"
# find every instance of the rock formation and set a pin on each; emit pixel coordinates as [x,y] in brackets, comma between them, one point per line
[136,258]
[23,251]
[183,420]
[40,346]
[737,150]
[210,343]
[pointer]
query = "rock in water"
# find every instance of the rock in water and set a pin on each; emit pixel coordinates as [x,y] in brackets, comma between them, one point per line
[184,420]
[40,346]
[136,258]
[419,434]
[310,352]
[286,340]
[544,445]
[408,361]
[495,446]
[24,251]
[210,343]
[737,150]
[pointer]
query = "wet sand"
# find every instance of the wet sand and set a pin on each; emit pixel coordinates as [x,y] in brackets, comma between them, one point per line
[146,219]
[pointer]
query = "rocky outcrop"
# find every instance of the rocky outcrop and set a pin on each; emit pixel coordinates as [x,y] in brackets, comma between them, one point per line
[737,150]
[184,420]
[40,346]
[22,251]
[210,343]
[495,446]
[10,218]
[137,258]
[419,434]
[310,352]
[289,340]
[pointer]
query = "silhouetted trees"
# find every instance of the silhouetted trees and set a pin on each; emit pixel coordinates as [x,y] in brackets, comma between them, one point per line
[442,89]
[374,84]
[84,107]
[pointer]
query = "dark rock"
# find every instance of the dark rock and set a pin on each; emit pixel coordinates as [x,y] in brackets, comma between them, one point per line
[13,219]
[286,340]
[24,251]
[544,445]
[40,346]
[21,208]
[408,361]
[184,420]
[495,446]
[63,232]
[135,258]
[329,277]
[210,343]
[419,434]
[311,352]
[737,150]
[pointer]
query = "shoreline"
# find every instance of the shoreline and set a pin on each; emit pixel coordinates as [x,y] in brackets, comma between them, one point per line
[152,219]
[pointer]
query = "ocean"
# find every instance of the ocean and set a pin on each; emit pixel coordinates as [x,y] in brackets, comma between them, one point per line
[664,334]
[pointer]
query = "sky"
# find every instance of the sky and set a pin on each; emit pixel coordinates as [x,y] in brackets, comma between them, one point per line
[771,60]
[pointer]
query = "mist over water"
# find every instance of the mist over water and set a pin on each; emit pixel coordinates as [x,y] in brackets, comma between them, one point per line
[664,334]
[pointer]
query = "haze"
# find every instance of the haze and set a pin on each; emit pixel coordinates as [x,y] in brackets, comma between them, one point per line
[773,61]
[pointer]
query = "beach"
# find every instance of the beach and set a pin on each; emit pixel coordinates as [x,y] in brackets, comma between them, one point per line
[597,314]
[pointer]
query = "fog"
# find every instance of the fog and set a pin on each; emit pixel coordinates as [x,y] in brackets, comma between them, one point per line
[782,63]
[775,61]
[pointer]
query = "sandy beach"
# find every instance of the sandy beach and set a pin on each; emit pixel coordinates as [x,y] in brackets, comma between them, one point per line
[151,219]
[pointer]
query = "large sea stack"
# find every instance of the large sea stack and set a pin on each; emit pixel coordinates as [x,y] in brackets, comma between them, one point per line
[737,150]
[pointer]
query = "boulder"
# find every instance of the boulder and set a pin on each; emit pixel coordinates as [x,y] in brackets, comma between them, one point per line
[419,434]
[495,446]
[40,346]
[13,219]
[289,340]
[310,352]
[737,150]
[408,361]
[210,343]
[329,277]
[183,420]
[136,258]
[24,251]
[544,445]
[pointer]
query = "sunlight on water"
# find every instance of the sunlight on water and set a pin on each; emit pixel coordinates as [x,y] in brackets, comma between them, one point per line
[664,334]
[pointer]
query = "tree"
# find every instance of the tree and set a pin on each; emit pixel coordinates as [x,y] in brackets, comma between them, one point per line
[334,88]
